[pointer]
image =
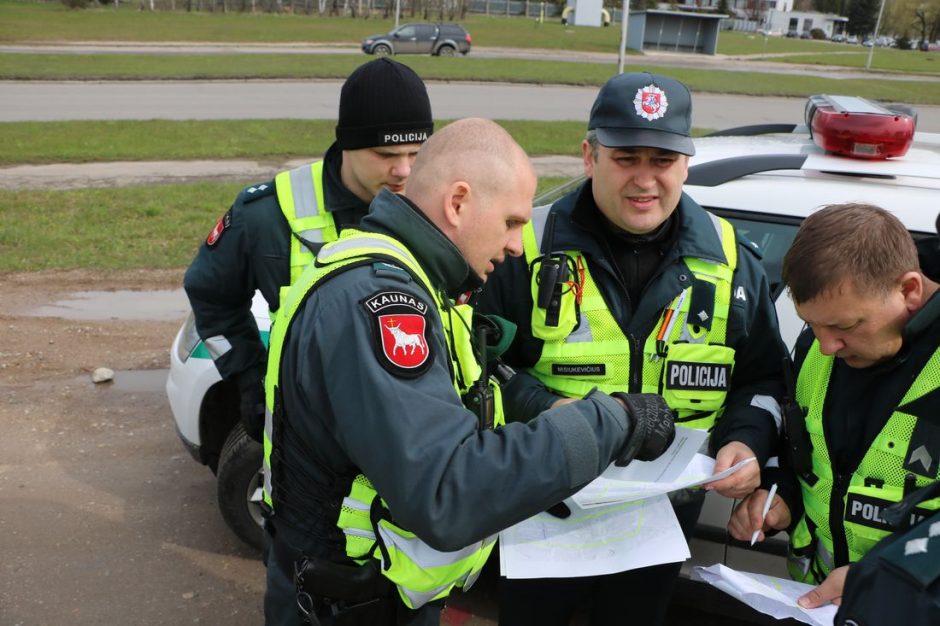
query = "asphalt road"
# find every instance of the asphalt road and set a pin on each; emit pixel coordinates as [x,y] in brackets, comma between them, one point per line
[176,100]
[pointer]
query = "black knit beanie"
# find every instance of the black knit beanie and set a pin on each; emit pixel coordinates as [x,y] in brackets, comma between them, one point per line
[383,103]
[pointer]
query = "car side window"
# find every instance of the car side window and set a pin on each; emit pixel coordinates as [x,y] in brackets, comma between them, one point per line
[406,31]
[773,237]
[425,32]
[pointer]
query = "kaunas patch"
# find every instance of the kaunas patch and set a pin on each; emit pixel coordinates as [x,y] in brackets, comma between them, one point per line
[698,376]
[399,329]
[224,222]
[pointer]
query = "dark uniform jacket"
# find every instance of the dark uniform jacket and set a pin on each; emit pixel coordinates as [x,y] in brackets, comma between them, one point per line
[252,252]
[347,412]
[752,414]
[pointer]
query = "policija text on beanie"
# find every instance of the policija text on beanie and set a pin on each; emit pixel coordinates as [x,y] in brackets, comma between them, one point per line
[643,110]
[383,103]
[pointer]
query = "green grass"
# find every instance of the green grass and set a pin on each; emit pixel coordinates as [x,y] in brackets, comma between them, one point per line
[52,67]
[156,226]
[134,227]
[274,140]
[736,43]
[884,59]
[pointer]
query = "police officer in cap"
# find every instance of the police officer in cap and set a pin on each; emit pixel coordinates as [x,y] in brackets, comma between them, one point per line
[866,430]
[628,285]
[387,492]
[274,228]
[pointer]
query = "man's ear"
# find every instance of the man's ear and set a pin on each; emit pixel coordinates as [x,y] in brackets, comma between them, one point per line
[912,288]
[587,153]
[457,203]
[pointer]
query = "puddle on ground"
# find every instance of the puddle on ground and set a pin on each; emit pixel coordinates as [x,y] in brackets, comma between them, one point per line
[166,305]
[131,381]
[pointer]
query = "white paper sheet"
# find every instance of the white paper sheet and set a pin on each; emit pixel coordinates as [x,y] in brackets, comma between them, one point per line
[773,596]
[670,464]
[609,487]
[602,540]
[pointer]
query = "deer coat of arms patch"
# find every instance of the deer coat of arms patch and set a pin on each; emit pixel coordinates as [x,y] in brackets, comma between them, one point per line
[399,329]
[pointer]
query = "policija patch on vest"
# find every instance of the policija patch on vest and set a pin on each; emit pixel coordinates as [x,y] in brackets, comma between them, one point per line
[399,330]
[224,222]
[869,511]
[698,376]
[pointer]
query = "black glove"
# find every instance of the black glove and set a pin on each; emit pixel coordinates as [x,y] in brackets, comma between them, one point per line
[653,427]
[251,388]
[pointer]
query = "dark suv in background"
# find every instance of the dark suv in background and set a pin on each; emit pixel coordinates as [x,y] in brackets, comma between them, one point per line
[438,39]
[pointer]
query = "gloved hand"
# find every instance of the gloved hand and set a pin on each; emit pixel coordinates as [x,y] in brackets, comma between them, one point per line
[653,428]
[251,388]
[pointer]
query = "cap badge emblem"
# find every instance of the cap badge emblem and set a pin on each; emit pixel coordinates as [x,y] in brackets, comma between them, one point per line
[650,102]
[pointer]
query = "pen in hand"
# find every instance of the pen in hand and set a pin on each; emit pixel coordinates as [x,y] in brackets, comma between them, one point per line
[763,515]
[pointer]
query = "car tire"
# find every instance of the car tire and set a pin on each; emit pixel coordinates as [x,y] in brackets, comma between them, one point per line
[382,50]
[239,486]
[447,51]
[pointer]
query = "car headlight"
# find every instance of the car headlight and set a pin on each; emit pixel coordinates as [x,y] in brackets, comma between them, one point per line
[368,42]
[189,339]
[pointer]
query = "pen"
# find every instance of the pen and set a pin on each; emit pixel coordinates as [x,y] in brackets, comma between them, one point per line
[763,515]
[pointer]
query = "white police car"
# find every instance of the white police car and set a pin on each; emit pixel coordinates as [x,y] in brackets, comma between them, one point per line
[765,179]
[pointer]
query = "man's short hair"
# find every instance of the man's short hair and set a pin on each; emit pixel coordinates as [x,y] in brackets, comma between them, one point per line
[860,243]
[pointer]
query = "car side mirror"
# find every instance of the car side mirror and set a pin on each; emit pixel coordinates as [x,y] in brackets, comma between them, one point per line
[396,35]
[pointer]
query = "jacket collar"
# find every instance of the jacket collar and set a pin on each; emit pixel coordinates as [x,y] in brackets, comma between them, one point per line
[580,223]
[398,217]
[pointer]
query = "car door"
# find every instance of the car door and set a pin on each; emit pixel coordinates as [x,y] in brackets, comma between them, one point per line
[426,37]
[405,39]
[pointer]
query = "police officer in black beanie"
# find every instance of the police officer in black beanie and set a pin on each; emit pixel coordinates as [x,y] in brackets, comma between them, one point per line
[274,229]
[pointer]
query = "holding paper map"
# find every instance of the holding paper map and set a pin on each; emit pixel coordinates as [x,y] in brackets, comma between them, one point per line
[774,596]
[680,467]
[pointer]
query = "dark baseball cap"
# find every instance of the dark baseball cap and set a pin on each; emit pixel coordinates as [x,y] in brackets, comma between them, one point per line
[643,110]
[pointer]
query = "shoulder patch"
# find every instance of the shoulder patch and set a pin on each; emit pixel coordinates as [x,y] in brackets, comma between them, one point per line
[387,270]
[224,222]
[400,327]
[252,193]
[750,246]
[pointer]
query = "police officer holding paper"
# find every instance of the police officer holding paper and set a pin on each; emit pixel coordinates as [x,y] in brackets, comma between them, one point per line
[273,229]
[627,284]
[386,491]
[863,431]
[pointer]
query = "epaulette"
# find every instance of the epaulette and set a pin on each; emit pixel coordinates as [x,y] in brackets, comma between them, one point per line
[254,192]
[749,245]
[387,270]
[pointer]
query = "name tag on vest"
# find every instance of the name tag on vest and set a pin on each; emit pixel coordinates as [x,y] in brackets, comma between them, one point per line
[698,376]
[578,369]
[868,511]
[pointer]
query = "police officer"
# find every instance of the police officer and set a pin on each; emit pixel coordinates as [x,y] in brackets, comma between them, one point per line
[867,388]
[386,491]
[627,284]
[273,229]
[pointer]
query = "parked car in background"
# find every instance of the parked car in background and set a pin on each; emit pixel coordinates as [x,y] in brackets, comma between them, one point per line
[443,39]
[763,179]
[838,38]
[851,39]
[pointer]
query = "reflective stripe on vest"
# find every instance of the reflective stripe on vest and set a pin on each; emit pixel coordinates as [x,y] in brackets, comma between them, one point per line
[300,195]
[877,482]
[420,573]
[589,349]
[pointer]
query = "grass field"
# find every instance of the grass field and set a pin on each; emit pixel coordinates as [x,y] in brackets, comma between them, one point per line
[153,226]
[276,140]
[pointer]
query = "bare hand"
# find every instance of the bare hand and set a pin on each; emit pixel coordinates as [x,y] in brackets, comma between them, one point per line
[829,591]
[747,516]
[742,482]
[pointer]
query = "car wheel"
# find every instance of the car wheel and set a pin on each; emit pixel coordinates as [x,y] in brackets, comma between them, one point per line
[239,486]
[381,50]
[447,51]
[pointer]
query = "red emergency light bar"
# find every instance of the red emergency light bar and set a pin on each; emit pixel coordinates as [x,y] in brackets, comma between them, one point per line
[859,128]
